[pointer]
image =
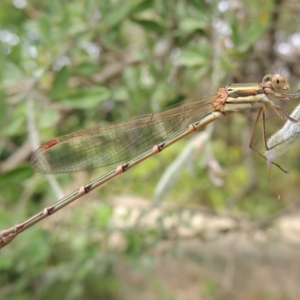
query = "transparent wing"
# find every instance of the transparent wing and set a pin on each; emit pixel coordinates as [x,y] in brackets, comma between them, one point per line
[117,142]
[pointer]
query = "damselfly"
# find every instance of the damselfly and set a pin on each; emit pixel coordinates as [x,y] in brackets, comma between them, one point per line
[134,140]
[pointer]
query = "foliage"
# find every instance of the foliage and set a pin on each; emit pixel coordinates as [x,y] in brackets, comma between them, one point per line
[71,65]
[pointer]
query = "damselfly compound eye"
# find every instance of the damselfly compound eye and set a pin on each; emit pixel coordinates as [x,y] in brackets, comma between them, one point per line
[267,78]
[279,83]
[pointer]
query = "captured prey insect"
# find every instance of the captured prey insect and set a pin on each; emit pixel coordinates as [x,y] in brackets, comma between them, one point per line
[136,139]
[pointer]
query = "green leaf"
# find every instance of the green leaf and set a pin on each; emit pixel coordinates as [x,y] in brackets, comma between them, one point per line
[14,75]
[15,124]
[189,24]
[3,108]
[60,82]
[150,25]
[16,175]
[142,6]
[192,58]
[87,68]
[117,15]
[252,34]
[48,117]
[45,30]
[86,98]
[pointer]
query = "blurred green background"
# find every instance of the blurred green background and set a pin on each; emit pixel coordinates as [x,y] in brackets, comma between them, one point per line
[201,220]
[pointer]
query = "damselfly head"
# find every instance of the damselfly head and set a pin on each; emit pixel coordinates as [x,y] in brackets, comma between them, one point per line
[279,83]
[276,82]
